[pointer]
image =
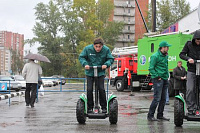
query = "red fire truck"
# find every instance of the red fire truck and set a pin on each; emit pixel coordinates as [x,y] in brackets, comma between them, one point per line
[123,72]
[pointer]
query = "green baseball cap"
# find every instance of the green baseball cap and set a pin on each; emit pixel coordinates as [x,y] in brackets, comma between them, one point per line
[164,44]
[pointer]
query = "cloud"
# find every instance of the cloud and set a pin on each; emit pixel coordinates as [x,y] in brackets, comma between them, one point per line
[18,16]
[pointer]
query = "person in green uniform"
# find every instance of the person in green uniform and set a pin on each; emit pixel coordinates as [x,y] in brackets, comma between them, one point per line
[96,54]
[158,69]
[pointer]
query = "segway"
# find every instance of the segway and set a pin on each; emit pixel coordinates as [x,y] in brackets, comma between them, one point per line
[112,105]
[180,107]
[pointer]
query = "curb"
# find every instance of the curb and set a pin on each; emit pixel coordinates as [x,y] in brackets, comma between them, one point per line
[11,95]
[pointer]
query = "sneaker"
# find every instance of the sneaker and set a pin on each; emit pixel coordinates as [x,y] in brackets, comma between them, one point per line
[191,113]
[27,104]
[167,103]
[104,110]
[32,106]
[151,118]
[163,118]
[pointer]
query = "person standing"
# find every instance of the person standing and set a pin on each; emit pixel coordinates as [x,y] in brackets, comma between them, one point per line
[158,69]
[31,73]
[96,54]
[179,74]
[190,53]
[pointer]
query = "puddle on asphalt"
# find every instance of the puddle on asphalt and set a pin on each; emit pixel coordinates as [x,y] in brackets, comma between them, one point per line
[129,114]
[6,124]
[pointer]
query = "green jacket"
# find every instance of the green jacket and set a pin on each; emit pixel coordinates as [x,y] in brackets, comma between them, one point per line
[159,66]
[92,58]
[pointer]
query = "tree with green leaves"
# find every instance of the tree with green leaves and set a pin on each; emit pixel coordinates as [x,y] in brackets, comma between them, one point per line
[95,17]
[46,30]
[168,12]
[17,62]
[64,27]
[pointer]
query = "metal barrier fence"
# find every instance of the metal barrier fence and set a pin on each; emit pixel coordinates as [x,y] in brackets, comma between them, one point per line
[7,91]
[71,85]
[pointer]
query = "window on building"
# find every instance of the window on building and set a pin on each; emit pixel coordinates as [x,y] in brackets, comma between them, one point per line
[129,19]
[128,36]
[129,1]
[129,10]
[129,28]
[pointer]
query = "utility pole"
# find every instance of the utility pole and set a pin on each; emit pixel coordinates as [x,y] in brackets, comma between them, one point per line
[153,3]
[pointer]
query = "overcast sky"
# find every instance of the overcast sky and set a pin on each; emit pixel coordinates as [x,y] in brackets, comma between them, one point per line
[18,16]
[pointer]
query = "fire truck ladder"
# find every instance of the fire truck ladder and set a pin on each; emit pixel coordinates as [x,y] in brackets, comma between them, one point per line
[146,82]
[125,51]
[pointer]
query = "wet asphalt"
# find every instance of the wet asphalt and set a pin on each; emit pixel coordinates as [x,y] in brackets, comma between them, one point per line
[55,112]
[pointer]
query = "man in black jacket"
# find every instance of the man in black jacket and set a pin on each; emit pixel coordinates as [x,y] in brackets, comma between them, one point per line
[190,53]
[179,74]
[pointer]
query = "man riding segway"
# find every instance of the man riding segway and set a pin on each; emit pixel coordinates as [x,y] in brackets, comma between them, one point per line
[190,53]
[95,58]
[189,110]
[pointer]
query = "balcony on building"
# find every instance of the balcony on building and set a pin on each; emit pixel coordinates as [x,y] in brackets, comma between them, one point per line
[126,40]
[118,4]
[123,14]
[128,31]
[129,22]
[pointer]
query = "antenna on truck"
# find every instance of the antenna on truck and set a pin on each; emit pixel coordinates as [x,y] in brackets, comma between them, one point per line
[125,50]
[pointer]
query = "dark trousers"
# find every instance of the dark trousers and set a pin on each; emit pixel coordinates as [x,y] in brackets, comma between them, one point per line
[191,91]
[102,94]
[30,93]
[160,90]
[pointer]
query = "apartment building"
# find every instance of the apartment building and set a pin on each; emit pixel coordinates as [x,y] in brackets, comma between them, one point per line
[127,12]
[10,41]
[5,60]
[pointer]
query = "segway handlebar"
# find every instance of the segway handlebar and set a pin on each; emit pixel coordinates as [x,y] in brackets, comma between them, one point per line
[197,62]
[95,67]
[95,70]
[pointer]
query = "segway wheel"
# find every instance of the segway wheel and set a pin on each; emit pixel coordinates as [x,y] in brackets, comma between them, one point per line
[178,112]
[113,111]
[80,115]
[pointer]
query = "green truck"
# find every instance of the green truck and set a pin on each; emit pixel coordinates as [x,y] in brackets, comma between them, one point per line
[149,45]
[130,68]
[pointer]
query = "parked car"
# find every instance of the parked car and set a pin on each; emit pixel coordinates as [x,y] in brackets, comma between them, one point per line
[20,79]
[62,81]
[46,82]
[55,81]
[14,85]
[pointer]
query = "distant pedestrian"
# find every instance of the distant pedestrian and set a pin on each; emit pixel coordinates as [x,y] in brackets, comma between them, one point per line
[179,74]
[31,73]
[158,69]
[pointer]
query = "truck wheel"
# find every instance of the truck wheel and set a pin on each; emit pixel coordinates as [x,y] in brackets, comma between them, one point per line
[178,112]
[113,111]
[119,85]
[80,115]
[171,89]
